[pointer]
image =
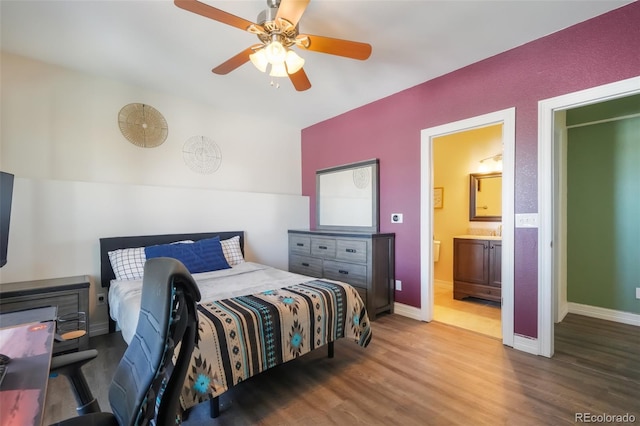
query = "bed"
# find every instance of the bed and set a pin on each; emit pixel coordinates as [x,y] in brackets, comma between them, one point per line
[251,317]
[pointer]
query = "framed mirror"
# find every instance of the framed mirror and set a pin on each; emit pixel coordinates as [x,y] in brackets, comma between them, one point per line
[485,197]
[347,197]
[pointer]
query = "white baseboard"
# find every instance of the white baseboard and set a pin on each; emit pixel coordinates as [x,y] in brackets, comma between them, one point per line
[526,344]
[563,311]
[406,311]
[604,313]
[98,328]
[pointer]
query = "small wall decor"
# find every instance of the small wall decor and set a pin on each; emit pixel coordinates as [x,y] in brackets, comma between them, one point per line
[362,177]
[202,154]
[438,197]
[143,125]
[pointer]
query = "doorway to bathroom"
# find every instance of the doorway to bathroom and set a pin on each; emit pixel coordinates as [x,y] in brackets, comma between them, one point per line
[442,200]
[467,229]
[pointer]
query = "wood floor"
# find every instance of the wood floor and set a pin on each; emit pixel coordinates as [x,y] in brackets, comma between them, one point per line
[416,373]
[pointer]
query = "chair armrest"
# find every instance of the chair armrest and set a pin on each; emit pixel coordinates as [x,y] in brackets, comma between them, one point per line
[60,361]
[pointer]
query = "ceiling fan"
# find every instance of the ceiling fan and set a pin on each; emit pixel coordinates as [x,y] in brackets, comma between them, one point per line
[277,29]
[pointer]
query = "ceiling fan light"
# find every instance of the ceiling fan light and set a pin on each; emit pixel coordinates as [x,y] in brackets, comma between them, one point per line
[259,59]
[275,52]
[278,70]
[294,62]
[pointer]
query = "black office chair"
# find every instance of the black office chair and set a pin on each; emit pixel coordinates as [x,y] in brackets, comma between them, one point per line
[146,386]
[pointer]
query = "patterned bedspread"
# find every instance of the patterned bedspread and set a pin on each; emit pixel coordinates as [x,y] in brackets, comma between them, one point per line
[243,336]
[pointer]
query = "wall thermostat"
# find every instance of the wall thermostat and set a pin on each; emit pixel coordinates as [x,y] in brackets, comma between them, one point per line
[396,217]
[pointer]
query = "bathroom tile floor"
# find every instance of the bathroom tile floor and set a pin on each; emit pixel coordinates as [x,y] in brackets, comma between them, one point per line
[478,315]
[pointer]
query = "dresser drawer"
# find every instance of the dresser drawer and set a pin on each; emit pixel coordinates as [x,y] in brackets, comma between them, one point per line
[351,251]
[299,244]
[305,265]
[355,275]
[323,247]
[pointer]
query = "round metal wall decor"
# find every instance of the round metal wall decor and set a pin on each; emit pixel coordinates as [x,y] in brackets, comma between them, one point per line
[202,154]
[143,125]
[361,177]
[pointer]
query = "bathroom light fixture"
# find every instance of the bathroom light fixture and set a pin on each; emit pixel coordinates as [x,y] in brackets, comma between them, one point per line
[491,164]
[496,158]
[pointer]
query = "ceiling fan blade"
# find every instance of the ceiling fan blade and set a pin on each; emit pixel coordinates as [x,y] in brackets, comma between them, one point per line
[292,10]
[335,46]
[300,80]
[233,63]
[213,13]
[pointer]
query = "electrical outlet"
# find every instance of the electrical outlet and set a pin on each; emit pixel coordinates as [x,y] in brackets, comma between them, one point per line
[398,285]
[102,299]
[396,218]
[637,292]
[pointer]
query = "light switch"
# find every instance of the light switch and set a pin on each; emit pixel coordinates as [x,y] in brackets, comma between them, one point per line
[527,220]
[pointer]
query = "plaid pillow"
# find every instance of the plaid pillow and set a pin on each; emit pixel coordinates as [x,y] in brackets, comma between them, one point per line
[128,264]
[231,250]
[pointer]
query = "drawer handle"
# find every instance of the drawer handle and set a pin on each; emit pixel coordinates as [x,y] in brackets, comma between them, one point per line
[300,244]
[305,264]
[350,250]
[322,247]
[342,271]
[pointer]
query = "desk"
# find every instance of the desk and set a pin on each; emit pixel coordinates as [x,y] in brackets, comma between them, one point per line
[29,343]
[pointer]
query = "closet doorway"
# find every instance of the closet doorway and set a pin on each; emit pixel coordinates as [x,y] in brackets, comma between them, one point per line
[552,237]
[501,120]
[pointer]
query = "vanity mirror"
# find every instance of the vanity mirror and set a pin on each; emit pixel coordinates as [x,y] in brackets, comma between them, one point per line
[485,197]
[347,197]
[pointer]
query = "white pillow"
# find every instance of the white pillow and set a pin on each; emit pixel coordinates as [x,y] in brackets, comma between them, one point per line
[128,264]
[232,251]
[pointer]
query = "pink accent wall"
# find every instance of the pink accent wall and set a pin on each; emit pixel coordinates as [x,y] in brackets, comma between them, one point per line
[595,52]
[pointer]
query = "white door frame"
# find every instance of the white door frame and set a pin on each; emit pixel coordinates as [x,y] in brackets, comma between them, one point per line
[550,199]
[507,118]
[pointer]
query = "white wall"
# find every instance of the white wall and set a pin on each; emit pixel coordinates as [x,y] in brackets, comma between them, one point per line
[56,225]
[78,179]
[62,124]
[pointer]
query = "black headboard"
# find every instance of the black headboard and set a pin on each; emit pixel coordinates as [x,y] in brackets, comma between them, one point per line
[115,243]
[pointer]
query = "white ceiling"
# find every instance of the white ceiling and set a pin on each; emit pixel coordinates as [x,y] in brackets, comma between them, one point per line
[155,44]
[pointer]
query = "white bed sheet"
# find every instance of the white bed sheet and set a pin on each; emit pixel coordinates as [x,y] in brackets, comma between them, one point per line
[242,279]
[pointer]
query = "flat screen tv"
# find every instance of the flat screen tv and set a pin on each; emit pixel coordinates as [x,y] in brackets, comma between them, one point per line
[6,195]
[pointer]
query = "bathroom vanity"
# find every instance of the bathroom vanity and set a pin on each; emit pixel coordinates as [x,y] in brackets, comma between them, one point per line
[477,267]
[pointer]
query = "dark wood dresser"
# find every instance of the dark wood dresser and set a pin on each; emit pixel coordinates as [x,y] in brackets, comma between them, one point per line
[364,260]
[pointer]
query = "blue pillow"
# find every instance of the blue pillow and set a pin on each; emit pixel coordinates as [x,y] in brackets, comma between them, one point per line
[201,256]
